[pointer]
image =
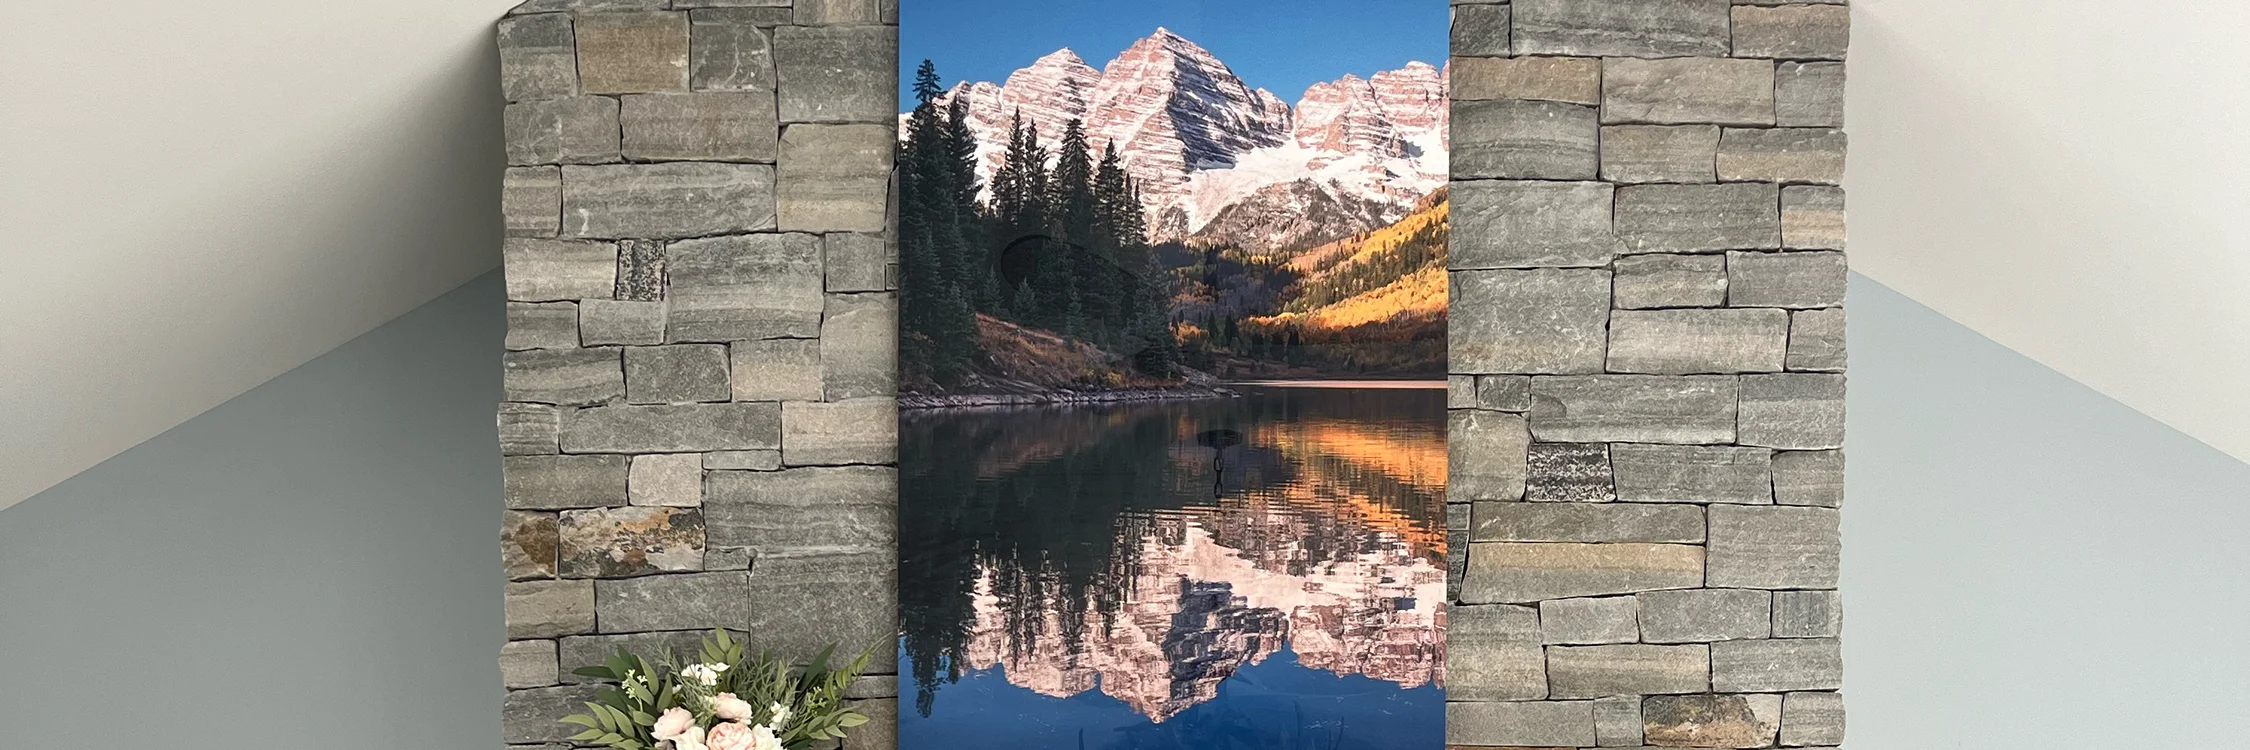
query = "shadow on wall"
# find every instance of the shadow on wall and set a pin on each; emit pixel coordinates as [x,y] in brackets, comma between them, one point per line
[311,178]
[307,565]
[2028,563]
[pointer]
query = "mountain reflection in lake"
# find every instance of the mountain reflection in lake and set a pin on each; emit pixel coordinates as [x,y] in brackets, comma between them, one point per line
[1259,572]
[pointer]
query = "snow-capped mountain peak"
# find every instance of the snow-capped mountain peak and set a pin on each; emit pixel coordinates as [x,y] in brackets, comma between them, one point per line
[1199,140]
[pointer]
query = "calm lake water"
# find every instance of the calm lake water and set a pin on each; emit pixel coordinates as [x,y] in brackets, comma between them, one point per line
[1259,572]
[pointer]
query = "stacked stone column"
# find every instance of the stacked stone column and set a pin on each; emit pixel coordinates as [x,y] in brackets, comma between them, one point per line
[699,428]
[1647,405]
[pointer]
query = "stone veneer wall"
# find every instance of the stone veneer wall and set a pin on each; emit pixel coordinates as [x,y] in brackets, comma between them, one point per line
[699,428]
[1648,391]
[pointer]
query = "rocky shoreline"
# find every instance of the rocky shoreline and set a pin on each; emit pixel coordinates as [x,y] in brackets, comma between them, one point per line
[916,401]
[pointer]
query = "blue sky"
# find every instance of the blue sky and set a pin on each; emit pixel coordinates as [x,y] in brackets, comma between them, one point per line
[1281,45]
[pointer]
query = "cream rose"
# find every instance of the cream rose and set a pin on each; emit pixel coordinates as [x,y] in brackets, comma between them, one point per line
[731,708]
[692,739]
[673,724]
[739,736]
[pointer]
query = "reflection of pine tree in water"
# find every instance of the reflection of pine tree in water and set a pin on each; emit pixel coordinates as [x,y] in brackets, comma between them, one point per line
[1049,510]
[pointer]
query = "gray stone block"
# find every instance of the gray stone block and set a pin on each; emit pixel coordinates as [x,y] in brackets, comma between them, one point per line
[881,730]
[1812,217]
[552,270]
[1792,32]
[542,325]
[1793,411]
[538,57]
[528,664]
[1460,391]
[640,270]
[546,609]
[1511,572]
[1480,31]
[554,482]
[1577,80]
[835,178]
[595,650]
[776,370]
[528,545]
[1617,721]
[1660,153]
[872,685]
[1569,472]
[1698,218]
[632,53]
[1531,224]
[1520,723]
[1624,28]
[1513,139]
[573,130]
[1792,155]
[607,322]
[676,374]
[769,12]
[1504,392]
[859,346]
[617,542]
[529,429]
[1807,614]
[1692,409]
[1738,721]
[1816,340]
[1793,280]
[1627,669]
[1705,615]
[1809,478]
[1657,281]
[744,287]
[842,506]
[680,601]
[1812,719]
[731,52]
[1685,90]
[666,479]
[1493,654]
[1487,456]
[1584,622]
[670,200]
[1778,665]
[1781,547]
[833,12]
[535,715]
[1685,342]
[1534,321]
[766,460]
[856,431]
[858,262]
[684,428]
[1587,522]
[531,201]
[708,126]
[567,377]
[837,73]
[1809,95]
[585,6]
[1692,474]
[857,608]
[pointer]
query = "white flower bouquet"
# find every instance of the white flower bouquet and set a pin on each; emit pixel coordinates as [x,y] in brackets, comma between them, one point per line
[721,701]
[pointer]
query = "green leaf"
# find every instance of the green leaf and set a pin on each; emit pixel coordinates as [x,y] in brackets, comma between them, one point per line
[850,719]
[586,735]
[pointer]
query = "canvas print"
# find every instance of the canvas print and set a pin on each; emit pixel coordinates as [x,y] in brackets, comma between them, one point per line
[1172,358]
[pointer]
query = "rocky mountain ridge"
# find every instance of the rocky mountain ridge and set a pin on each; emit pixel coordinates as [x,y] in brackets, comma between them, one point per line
[1219,160]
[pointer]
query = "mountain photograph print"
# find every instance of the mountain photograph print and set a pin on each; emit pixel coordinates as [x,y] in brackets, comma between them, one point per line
[1172,361]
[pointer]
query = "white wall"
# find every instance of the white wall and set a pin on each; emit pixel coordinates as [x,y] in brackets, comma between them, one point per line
[198,196]
[2029,565]
[2067,177]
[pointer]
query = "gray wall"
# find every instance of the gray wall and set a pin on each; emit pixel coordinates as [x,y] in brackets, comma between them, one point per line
[2028,563]
[312,560]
